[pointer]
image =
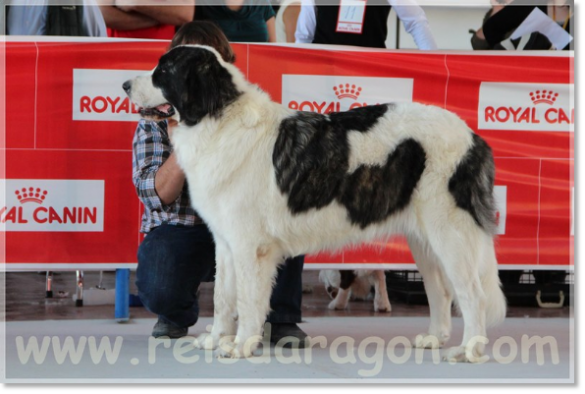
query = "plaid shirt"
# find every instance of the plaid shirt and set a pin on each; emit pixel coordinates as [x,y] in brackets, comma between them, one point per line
[151,147]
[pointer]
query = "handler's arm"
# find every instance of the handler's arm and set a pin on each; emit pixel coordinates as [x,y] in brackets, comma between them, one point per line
[156,175]
[169,180]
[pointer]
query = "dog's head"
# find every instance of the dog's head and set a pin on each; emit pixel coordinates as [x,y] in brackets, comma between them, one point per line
[332,281]
[192,79]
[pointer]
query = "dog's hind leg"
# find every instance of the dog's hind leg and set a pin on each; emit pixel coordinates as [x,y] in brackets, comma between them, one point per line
[224,299]
[255,271]
[381,301]
[438,293]
[460,250]
[492,287]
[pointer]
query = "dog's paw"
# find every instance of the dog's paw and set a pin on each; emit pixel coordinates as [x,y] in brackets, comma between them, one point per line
[382,306]
[206,341]
[233,348]
[337,306]
[460,354]
[427,341]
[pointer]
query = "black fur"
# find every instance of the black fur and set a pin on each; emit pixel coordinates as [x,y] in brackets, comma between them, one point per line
[311,161]
[372,193]
[347,278]
[472,184]
[195,83]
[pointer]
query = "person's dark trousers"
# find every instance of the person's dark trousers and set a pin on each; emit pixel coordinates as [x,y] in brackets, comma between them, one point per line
[174,260]
[287,295]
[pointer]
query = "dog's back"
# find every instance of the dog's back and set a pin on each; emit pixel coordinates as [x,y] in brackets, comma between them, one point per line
[371,168]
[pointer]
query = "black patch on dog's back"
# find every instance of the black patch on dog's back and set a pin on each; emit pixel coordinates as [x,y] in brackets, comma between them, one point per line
[472,184]
[359,119]
[311,161]
[372,193]
[195,83]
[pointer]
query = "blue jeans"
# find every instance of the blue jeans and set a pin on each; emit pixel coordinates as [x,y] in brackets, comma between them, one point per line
[174,260]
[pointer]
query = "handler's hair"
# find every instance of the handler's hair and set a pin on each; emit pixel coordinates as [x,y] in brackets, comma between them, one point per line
[204,33]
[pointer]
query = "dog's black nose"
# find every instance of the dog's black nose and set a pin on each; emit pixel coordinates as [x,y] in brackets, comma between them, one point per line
[126,86]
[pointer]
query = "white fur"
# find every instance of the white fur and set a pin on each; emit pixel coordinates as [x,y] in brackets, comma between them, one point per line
[229,169]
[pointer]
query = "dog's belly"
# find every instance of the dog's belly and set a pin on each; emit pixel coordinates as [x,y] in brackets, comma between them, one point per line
[330,228]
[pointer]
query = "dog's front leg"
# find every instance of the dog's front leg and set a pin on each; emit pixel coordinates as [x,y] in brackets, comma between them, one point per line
[224,300]
[255,272]
[341,300]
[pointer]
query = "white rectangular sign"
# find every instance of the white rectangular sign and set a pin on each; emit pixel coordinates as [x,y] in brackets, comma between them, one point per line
[325,94]
[52,205]
[98,95]
[526,106]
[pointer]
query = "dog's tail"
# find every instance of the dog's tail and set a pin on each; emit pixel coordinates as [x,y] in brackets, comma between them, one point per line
[492,288]
[472,185]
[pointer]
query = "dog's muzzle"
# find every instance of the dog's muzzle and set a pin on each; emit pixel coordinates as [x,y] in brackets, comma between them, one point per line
[127,86]
[165,110]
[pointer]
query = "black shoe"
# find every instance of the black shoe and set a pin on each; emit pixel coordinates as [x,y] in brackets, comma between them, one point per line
[164,329]
[296,337]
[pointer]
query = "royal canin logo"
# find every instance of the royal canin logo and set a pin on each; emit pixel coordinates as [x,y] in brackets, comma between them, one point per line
[98,95]
[544,97]
[52,205]
[110,105]
[506,106]
[31,195]
[347,91]
[529,114]
[327,94]
[341,92]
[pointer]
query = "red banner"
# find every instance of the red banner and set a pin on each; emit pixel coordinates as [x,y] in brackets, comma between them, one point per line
[69,201]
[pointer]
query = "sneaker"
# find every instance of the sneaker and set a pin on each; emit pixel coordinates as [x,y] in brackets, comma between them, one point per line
[164,329]
[283,330]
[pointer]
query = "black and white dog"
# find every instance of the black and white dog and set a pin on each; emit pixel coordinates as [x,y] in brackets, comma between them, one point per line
[272,182]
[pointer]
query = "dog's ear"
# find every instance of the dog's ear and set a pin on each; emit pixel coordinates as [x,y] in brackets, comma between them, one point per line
[208,87]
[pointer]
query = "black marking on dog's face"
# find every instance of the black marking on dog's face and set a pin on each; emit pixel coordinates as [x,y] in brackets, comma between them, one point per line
[195,83]
[311,161]
[472,184]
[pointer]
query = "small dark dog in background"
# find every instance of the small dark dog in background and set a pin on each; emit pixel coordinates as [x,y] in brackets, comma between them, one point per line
[345,285]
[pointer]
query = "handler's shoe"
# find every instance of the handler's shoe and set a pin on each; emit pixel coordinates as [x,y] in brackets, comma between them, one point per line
[297,338]
[164,329]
